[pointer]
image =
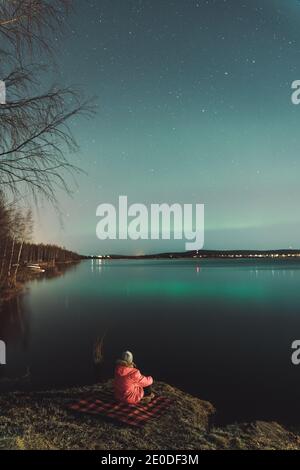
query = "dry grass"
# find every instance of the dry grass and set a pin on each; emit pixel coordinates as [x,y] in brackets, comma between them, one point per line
[39,420]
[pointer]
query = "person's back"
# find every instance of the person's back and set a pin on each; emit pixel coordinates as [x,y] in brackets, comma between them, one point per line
[129,383]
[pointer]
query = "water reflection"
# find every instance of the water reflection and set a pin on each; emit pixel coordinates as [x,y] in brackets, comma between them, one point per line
[15,331]
[96,265]
[219,330]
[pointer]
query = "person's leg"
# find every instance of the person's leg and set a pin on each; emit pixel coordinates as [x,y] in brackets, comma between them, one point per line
[148,395]
[147,391]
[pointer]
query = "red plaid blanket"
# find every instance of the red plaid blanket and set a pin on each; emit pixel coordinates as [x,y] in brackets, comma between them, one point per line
[135,415]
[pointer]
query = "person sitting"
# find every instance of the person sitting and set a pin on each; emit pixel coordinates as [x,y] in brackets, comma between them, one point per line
[129,383]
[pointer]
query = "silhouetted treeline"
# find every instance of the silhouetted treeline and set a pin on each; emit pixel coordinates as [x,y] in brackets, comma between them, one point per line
[39,253]
[16,249]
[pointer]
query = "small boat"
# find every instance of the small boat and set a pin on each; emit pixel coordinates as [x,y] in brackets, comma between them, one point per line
[35,267]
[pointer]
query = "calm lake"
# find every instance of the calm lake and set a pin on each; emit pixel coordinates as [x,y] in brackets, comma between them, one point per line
[221,330]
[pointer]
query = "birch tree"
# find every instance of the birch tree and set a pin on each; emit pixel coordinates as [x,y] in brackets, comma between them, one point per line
[35,133]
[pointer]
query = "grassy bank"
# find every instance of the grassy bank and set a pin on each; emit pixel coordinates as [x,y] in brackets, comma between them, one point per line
[39,420]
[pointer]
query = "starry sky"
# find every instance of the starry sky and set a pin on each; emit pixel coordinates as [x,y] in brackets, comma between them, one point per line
[194,106]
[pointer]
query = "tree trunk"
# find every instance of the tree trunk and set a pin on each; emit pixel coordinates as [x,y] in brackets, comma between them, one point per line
[18,261]
[4,258]
[11,259]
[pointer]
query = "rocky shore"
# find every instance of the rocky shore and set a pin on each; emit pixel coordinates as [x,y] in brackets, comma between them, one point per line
[40,420]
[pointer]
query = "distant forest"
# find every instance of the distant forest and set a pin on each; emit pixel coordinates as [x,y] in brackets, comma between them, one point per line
[16,250]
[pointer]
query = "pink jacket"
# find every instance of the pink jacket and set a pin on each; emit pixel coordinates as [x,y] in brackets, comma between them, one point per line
[129,384]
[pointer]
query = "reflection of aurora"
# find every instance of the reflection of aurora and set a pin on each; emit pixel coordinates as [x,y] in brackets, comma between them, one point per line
[206,282]
[182,289]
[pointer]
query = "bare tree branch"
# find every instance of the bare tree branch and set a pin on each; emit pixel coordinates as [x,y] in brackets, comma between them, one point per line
[35,132]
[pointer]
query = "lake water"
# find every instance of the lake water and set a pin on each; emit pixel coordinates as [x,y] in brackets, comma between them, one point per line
[219,330]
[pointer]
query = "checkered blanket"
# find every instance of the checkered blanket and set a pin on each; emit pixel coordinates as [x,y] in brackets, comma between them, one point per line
[135,415]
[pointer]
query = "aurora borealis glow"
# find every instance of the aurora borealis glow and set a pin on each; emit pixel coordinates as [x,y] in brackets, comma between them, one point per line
[193,106]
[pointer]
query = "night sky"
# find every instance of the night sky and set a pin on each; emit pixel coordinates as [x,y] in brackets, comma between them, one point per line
[194,105]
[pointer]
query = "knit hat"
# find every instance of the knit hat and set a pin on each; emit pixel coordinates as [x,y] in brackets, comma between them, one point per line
[127,356]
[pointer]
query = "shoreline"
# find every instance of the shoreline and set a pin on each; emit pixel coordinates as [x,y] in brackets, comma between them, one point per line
[26,275]
[40,420]
[252,255]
